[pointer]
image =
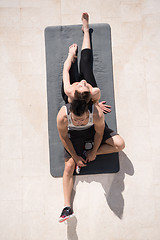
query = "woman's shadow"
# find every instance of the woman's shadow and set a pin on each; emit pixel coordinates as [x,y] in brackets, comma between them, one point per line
[113,185]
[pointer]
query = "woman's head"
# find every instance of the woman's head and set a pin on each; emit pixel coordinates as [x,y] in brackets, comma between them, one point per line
[82,99]
[79,111]
[86,96]
[79,120]
[78,107]
[82,86]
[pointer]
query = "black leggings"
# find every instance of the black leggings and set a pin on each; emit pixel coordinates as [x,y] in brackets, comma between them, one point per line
[86,71]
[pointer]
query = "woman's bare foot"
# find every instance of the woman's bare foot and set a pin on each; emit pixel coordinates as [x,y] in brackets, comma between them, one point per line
[72,51]
[85,22]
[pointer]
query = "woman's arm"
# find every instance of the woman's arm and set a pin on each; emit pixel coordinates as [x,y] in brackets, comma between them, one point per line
[66,78]
[68,62]
[98,119]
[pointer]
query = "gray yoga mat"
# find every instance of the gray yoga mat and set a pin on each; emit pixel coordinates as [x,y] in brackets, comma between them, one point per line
[57,41]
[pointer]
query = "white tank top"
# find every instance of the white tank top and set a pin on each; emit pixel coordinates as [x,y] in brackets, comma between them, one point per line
[70,123]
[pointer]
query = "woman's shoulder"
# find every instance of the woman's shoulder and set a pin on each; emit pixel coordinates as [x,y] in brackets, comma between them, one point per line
[62,115]
[95,94]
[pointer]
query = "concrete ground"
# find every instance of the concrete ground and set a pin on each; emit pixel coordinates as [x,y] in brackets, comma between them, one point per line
[122,206]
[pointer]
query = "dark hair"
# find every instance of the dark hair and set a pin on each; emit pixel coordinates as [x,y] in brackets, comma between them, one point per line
[82,96]
[80,103]
[79,107]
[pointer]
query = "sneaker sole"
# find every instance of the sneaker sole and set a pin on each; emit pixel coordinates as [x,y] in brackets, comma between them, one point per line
[65,219]
[78,169]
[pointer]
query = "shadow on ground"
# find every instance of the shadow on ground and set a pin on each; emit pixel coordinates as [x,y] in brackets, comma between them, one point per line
[113,185]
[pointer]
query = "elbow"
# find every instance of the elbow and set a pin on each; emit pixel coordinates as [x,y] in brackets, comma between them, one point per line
[64,139]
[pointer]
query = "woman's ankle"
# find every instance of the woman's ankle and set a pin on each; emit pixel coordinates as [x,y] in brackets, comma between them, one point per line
[86,30]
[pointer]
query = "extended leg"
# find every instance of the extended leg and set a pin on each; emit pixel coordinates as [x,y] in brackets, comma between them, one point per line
[86,70]
[85,28]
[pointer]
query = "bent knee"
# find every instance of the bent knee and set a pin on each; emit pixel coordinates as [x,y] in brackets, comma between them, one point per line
[120,144]
[69,166]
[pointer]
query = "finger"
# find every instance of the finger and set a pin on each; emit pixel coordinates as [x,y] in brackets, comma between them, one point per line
[85,161]
[105,112]
[83,165]
[106,106]
[80,164]
[103,102]
[107,109]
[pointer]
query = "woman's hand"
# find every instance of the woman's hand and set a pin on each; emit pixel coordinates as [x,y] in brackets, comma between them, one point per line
[105,108]
[80,161]
[90,156]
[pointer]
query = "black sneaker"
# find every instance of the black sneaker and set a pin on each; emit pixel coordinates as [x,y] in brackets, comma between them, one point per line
[66,214]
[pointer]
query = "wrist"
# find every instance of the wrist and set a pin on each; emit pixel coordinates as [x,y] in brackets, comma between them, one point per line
[74,156]
[94,151]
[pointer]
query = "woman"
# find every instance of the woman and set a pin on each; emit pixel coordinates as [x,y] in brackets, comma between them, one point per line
[85,84]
